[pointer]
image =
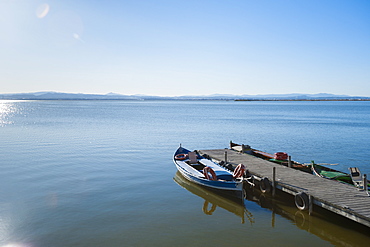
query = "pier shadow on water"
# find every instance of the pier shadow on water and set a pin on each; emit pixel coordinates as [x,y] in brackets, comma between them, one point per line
[329,227]
[326,225]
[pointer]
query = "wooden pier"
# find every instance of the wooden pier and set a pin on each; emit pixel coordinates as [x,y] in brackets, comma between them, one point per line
[340,198]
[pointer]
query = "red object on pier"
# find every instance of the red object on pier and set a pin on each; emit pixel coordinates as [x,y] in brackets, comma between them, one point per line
[281,156]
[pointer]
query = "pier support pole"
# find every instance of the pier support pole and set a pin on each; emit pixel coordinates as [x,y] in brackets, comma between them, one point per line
[365,184]
[289,161]
[243,149]
[310,204]
[273,181]
[225,157]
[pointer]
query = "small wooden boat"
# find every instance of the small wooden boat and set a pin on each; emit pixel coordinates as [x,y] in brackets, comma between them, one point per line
[205,172]
[280,158]
[328,173]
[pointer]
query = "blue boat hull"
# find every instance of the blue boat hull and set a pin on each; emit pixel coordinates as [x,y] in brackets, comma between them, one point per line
[191,174]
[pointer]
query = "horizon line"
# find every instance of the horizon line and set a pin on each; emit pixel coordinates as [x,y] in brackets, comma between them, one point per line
[194,95]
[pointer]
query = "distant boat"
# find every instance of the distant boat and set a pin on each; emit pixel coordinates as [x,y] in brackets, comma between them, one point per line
[205,172]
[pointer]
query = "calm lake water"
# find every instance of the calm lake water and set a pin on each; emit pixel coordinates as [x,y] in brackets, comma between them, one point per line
[100,173]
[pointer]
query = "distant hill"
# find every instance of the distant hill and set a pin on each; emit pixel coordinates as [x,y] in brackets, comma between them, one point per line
[114,96]
[65,96]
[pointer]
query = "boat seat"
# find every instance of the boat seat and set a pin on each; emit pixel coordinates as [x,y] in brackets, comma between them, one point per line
[192,157]
[356,177]
[226,177]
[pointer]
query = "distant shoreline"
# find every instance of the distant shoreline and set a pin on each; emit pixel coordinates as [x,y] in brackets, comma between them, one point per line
[302,99]
[180,99]
[219,97]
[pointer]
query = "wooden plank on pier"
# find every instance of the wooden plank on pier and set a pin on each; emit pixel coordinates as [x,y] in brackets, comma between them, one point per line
[342,199]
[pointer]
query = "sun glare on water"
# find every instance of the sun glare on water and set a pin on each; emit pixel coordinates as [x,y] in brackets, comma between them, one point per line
[6,108]
[15,245]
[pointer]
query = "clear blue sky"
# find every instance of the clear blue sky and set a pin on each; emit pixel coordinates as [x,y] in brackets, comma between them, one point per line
[187,47]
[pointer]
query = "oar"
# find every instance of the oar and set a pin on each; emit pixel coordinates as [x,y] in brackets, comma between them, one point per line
[326,164]
[321,164]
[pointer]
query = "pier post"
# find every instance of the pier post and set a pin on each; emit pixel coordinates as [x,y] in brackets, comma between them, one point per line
[310,204]
[273,181]
[243,149]
[365,184]
[289,161]
[225,157]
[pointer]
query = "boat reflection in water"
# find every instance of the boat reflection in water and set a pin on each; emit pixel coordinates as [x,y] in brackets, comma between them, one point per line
[335,229]
[212,199]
